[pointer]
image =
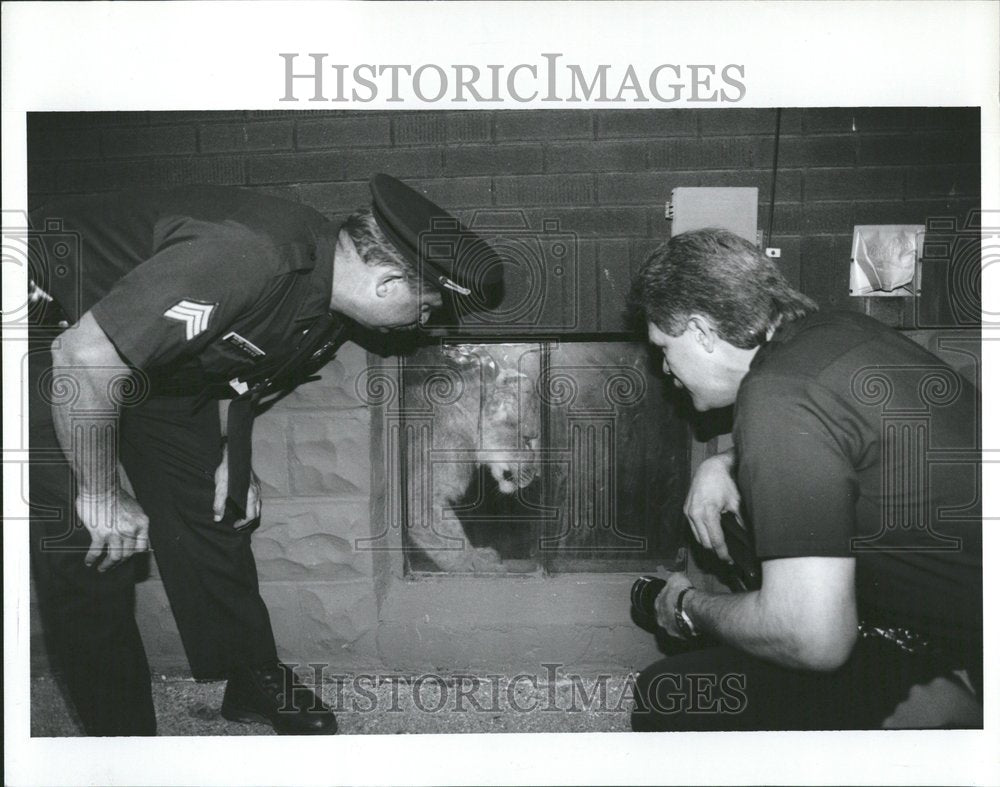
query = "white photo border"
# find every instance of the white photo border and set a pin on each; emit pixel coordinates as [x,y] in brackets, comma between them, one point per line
[225,55]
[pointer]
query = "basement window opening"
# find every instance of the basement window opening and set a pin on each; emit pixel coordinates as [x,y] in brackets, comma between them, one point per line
[539,458]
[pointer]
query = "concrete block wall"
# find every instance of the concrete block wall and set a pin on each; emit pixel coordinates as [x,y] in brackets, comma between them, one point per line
[312,455]
[604,175]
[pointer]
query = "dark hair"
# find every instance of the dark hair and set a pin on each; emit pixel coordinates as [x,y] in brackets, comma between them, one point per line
[718,275]
[373,246]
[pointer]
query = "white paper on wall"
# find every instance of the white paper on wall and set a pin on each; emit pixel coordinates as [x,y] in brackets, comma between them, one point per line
[885,258]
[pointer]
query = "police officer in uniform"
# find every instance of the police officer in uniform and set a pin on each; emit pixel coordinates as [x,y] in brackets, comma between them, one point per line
[181,310]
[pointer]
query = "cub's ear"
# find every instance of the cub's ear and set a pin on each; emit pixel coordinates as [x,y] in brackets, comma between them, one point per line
[470,356]
[461,354]
[510,377]
[490,369]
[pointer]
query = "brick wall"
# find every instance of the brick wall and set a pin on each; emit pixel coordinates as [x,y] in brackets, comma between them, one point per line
[604,175]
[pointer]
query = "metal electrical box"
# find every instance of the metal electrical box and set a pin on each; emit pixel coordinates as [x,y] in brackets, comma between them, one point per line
[733,209]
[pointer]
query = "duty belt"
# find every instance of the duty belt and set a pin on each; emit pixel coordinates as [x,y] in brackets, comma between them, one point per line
[908,640]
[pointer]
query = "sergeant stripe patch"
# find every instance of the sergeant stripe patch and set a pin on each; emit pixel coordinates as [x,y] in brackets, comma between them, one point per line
[193,314]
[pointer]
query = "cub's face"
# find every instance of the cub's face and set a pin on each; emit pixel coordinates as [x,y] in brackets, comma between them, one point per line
[511,428]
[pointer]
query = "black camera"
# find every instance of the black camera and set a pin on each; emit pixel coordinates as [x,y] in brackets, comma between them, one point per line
[644,593]
[743,575]
[745,572]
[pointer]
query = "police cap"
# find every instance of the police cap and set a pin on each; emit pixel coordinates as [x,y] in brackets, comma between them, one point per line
[449,256]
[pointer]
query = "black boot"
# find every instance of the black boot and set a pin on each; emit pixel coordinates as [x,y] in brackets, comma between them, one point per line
[270,694]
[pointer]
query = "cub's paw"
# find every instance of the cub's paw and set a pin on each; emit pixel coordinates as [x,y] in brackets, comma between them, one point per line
[468,561]
[486,559]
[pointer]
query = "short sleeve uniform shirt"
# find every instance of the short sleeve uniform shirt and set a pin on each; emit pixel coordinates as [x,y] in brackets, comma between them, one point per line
[198,281]
[853,441]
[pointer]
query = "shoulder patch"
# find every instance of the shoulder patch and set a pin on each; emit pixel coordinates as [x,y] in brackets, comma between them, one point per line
[194,315]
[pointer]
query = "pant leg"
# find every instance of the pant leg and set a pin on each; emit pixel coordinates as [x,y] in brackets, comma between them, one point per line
[170,454]
[88,617]
[722,688]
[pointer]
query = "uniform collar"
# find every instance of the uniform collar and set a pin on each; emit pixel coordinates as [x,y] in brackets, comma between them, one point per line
[317,302]
[785,332]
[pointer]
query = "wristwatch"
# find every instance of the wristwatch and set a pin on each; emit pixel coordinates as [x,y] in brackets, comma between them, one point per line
[683,620]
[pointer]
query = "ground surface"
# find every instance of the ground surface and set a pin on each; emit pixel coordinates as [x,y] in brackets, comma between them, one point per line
[366,705]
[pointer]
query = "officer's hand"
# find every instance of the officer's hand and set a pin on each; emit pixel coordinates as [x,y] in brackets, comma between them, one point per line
[117,525]
[253,502]
[667,601]
[712,492]
[222,492]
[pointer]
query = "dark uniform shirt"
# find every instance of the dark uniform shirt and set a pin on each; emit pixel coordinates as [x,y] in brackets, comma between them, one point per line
[197,284]
[852,441]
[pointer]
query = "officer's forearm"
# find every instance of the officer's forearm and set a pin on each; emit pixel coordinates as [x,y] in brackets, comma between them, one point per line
[86,365]
[804,617]
[741,619]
